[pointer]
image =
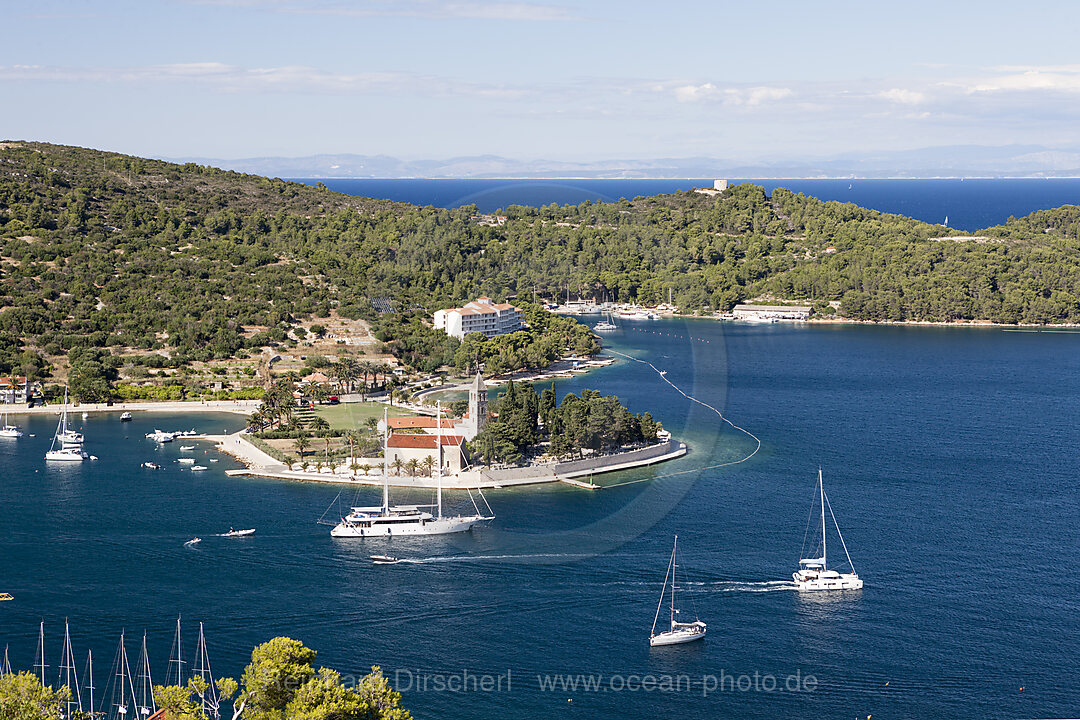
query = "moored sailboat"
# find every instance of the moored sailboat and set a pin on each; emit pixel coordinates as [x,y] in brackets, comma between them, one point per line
[67,444]
[8,430]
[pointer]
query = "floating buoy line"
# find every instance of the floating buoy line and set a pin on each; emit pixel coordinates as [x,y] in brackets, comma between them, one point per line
[691,398]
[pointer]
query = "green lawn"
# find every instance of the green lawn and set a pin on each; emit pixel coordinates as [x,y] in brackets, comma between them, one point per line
[349,416]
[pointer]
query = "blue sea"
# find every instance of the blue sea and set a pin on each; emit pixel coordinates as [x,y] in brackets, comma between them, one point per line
[949,457]
[967,204]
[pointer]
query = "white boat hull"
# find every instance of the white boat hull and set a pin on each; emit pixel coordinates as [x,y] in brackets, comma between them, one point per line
[680,635]
[66,455]
[827,581]
[433,526]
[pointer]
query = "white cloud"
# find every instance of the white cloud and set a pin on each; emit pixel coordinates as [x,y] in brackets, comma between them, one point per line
[1021,78]
[904,97]
[730,96]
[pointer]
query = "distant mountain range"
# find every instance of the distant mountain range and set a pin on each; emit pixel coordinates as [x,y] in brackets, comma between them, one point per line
[951,161]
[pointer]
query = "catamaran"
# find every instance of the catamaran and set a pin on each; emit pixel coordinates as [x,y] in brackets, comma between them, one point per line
[392,521]
[70,442]
[678,632]
[814,573]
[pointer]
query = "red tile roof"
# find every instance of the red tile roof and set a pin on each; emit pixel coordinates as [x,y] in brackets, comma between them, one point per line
[400,423]
[398,440]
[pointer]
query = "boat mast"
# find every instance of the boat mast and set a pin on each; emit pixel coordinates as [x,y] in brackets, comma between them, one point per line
[438,455]
[663,592]
[210,702]
[40,655]
[674,564]
[5,669]
[67,669]
[385,476]
[146,683]
[821,487]
[178,654]
[90,677]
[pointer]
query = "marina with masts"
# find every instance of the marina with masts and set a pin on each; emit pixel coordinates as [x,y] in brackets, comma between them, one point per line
[129,691]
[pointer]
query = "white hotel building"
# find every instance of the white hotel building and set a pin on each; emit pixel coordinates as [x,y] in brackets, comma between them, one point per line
[480,316]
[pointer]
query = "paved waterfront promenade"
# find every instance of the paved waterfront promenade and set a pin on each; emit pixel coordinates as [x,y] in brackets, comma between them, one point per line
[260,464]
[241,407]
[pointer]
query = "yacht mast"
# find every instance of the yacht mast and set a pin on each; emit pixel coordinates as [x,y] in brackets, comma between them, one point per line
[90,678]
[176,657]
[39,660]
[821,487]
[438,454]
[385,470]
[67,670]
[663,592]
[146,683]
[5,669]
[210,702]
[674,565]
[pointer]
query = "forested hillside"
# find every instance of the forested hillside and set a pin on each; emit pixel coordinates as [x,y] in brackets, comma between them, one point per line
[108,251]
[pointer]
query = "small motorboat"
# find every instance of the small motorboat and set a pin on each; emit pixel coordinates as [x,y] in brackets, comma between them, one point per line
[194,541]
[195,468]
[185,448]
[213,459]
[384,560]
[151,465]
[186,461]
[239,533]
[125,417]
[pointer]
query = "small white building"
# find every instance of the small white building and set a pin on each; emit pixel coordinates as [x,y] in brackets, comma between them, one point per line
[720,185]
[771,312]
[406,447]
[480,316]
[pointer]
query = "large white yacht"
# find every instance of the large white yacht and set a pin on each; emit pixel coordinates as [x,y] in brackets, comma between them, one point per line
[392,521]
[814,573]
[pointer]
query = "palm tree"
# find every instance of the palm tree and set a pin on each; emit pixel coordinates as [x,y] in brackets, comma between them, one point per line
[412,466]
[428,463]
[366,467]
[301,444]
[354,466]
[289,461]
[319,465]
[397,465]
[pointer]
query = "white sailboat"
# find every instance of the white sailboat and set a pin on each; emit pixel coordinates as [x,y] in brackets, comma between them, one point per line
[814,573]
[394,521]
[677,632]
[8,430]
[67,445]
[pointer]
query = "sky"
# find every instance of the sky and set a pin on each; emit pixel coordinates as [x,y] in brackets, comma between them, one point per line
[743,81]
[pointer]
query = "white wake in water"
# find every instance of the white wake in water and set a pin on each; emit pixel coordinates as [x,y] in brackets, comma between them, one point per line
[744,586]
[482,558]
